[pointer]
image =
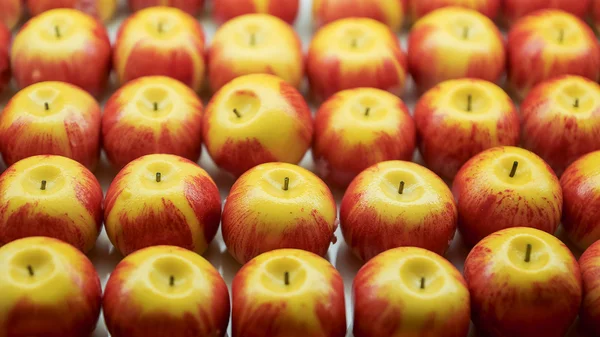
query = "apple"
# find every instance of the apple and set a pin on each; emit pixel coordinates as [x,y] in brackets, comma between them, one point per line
[414,278]
[458,119]
[50,196]
[12,11]
[396,204]
[419,8]
[581,191]
[595,14]
[278,205]
[162,199]
[224,10]
[513,10]
[255,119]
[192,7]
[51,118]
[165,291]
[255,43]
[49,288]
[590,274]
[452,43]
[523,282]
[160,41]
[288,292]
[62,45]
[101,9]
[354,53]
[505,187]
[5,39]
[152,114]
[389,12]
[561,120]
[547,44]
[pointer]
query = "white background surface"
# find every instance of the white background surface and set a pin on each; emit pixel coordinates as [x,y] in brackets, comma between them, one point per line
[105,258]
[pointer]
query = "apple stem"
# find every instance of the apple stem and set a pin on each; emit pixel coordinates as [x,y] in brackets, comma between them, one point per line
[367,111]
[576,105]
[46,106]
[469,103]
[286,278]
[561,36]
[514,169]
[286,183]
[528,253]
[401,188]
[354,43]
[465,32]
[158,177]
[422,283]
[172,280]
[30,270]
[43,187]
[160,26]
[237,113]
[57,31]
[252,39]
[155,106]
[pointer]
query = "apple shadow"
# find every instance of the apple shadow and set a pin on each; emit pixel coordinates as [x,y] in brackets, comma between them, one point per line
[229,266]
[561,234]
[457,252]
[105,258]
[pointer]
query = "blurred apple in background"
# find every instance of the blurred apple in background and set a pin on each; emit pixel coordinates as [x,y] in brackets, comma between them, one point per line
[595,14]
[516,9]
[590,271]
[224,10]
[414,278]
[389,12]
[288,292]
[357,128]
[506,187]
[48,288]
[51,118]
[455,42]
[192,7]
[256,119]
[523,282]
[278,205]
[5,40]
[162,199]
[166,291]
[561,120]
[419,8]
[62,45]
[550,43]
[581,189]
[153,114]
[457,119]
[395,204]
[11,13]
[101,9]
[50,196]
[354,53]
[160,41]
[255,43]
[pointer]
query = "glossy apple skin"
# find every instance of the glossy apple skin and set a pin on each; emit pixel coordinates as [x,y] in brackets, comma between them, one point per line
[533,58]
[5,40]
[418,8]
[333,66]
[581,211]
[448,137]
[381,297]
[142,311]
[101,9]
[318,311]
[192,7]
[589,263]
[186,215]
[389,12]
[516,9]
[286,10]
[11,13]
[68,304]
[506,301]
[341,154]
[129,133]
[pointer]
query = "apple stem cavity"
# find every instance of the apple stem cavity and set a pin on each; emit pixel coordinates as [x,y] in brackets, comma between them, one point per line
[172,280]
[46,106]
[57,31]
[30,270]
[237,113]
[469,103]
[286,183]
[528,253]
[401,188]
[514,169]
[158,177]
[367,111]
[286,278]
[43,187]
[422,283]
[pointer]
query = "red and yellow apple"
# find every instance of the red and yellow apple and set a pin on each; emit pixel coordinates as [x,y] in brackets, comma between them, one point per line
[419,8]
[101,9]
[48,288]
[506,187]
[254,44]
[162,199]
[11,13]
[354,53]
[5,40]
[513,10]
[165,291]
[50,196]
[523,282]
[457,119]
[288,292]
[389,12]
[192,7]
[590,275]
[414,278]
[561,120]
[255,119]
[51,118]
[547,44]
[396,204]
[152,114]
[581,192]
[224,10]
[62,45]
[357,128]
[452,43]
[160,41]
[275,206]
